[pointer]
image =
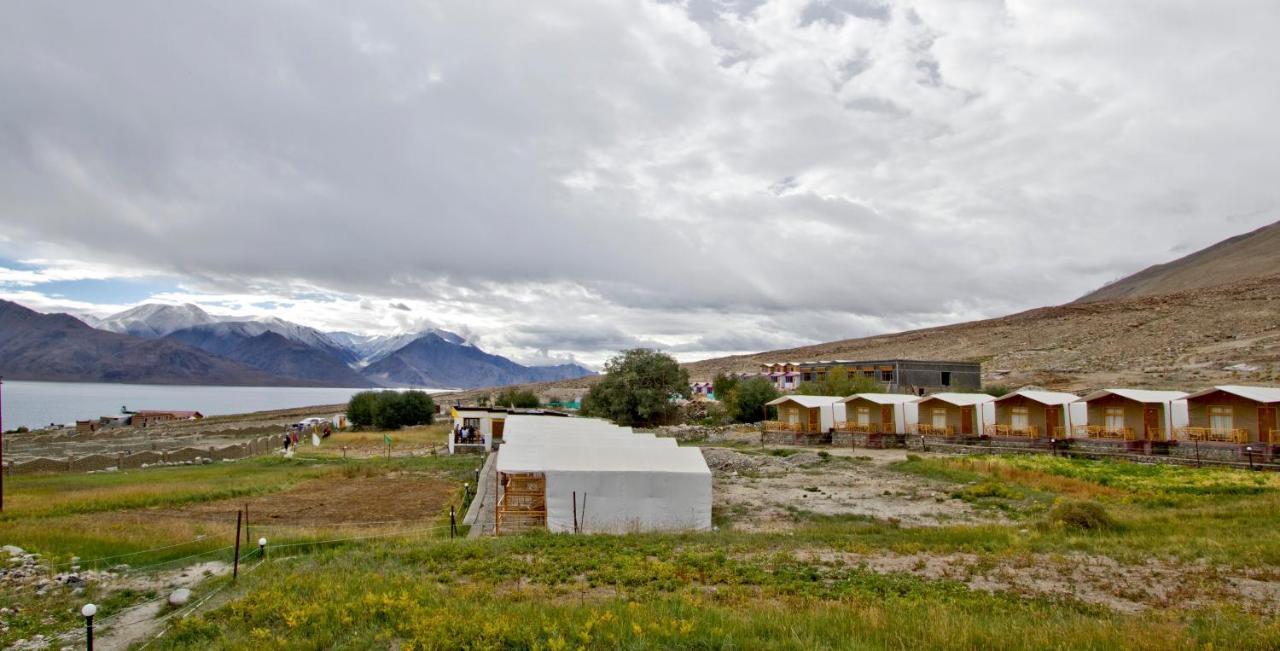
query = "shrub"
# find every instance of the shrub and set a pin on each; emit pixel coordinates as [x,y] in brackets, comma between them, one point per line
[360,408]
[1081,515]
[518,398]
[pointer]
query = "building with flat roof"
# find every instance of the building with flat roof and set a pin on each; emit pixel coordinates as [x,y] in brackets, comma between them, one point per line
[894,375]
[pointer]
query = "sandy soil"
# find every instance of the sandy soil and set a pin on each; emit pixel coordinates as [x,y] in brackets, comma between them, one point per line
[760,492]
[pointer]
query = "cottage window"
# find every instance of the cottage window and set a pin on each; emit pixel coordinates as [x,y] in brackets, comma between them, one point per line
[864,415]
[793,415]
[940,418]
[1220,418]
[1114,418]
[1019,418]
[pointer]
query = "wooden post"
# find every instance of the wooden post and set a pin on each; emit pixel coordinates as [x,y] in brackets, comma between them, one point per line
[453,523]
[235,567]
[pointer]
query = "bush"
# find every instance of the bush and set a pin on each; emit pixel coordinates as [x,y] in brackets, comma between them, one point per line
[390,409]
[517,398]
[360,408]
[841,382]
[1081,515]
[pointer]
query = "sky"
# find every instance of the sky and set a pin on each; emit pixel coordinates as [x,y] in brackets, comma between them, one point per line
[560,180]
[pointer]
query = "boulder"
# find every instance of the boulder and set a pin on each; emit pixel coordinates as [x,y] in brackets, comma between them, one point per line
[179,597]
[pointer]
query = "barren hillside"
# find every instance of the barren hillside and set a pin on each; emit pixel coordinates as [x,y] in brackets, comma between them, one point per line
[1183,340]
[1251,255]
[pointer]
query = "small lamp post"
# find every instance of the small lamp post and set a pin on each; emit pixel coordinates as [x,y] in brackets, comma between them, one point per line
[89,610]
[262,548]
[1249,451]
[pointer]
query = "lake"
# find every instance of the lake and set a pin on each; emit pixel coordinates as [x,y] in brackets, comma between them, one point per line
[36,404]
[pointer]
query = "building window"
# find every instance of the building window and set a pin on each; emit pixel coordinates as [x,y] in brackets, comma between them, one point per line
[946,378]
[793,415]
[473,423]
[940,417]
[1114,418]
[1019,419]
[1220,418]
[806,377]
[869,373]
[886,376]
[864,415]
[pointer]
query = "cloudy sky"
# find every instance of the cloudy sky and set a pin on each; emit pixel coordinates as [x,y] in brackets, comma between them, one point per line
[563,179]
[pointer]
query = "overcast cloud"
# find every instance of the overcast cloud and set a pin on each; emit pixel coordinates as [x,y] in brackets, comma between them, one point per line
[561,179]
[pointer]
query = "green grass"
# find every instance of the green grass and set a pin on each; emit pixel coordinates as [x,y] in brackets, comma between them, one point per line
[722,590]
[660,592]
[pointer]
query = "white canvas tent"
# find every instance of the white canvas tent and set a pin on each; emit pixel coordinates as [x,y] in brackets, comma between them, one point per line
[619,481]
[983,406]
[1174,413]
[1074,410]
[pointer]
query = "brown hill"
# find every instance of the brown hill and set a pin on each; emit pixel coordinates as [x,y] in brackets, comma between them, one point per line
[1184,340]
[1251,255]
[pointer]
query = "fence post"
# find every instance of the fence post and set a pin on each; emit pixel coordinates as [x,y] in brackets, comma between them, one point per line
[235,564]
[453,522]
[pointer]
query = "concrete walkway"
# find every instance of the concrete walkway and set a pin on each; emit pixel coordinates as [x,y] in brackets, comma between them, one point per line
[481,513]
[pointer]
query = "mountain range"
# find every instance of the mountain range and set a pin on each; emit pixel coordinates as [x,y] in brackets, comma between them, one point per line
[172,344]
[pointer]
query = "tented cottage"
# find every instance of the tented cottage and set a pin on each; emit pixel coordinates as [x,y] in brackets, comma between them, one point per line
[1233,414]
[879,413]
[955,414]
[806,414]
[1134,415]
[1037,414]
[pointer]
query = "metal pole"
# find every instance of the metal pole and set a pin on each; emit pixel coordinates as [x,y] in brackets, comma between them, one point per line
[1249,451]
[89,610]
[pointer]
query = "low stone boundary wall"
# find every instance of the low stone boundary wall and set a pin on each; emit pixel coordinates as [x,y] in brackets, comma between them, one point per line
[123,461]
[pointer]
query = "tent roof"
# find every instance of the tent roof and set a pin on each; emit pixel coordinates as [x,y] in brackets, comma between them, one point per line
[1137,395]
[807,401]
[884,398]
[1043,397]
[1257,394]
[960,399]
[570,458]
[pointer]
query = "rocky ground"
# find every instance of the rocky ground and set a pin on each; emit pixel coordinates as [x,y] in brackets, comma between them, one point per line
[760,491]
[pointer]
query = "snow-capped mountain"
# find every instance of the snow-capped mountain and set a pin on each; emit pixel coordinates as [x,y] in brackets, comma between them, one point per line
[372,348]
[153,321]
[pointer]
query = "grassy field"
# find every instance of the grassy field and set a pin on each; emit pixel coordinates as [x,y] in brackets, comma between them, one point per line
[830,583]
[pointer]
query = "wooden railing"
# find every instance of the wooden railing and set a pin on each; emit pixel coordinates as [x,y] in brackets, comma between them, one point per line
[1101,432]
[1233,435]
[1271,436]
[863,428]
[929,430]
[782,426]
[1030,431]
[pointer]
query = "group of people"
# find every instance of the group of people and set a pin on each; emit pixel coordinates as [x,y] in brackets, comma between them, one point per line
[465,434]
[297,430]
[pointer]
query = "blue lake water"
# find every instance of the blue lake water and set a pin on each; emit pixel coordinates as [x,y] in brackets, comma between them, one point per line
[36,404]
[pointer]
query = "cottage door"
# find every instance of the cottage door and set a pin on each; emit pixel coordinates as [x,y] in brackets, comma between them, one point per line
[1151,424]
[966,420]
[815,420]
[1052,420]
[1267,425]
[887,425]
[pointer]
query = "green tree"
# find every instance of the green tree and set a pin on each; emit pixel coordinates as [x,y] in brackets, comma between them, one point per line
[396,409]
[750,397]
[361,407]
[518,398]
[637,388]
[839,381]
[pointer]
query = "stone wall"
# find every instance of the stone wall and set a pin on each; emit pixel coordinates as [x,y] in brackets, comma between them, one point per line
[123,461]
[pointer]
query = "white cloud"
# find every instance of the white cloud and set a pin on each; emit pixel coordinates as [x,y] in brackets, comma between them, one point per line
[559,178]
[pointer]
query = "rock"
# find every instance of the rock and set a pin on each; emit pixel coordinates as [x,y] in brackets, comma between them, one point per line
[179,597]
[13,551]
[206,461]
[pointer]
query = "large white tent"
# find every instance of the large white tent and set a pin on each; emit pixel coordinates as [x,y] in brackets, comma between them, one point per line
[601,478]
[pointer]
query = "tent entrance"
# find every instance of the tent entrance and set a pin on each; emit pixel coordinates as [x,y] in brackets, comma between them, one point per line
[523,503]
